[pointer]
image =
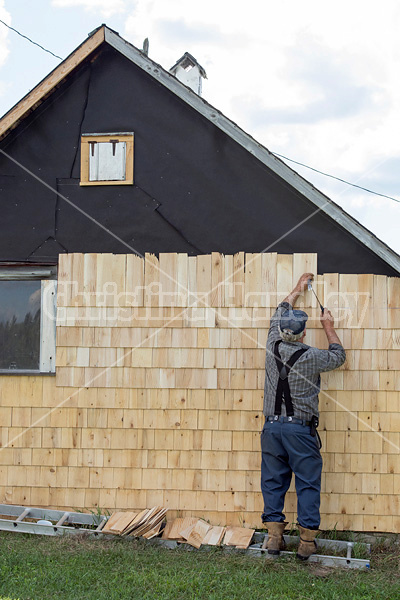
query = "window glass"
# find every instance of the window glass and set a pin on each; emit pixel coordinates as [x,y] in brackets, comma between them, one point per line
[20,324]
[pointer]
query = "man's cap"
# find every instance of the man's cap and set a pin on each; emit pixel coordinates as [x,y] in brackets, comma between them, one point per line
[293,320]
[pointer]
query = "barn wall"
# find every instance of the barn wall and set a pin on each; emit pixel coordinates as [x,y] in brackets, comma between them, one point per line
[158,393]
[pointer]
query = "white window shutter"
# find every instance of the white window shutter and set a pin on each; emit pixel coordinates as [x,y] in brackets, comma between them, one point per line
[48,326]
[107,161]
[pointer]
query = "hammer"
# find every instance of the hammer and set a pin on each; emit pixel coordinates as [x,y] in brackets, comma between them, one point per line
[311,289]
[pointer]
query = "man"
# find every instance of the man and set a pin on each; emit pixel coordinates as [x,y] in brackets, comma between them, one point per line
[289,441]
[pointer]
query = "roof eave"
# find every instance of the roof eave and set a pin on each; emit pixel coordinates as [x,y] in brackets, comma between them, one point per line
[29,102]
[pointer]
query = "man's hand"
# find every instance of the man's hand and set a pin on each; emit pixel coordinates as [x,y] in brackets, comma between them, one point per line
[303,282]
[328,323]
[299,289]
[327,320]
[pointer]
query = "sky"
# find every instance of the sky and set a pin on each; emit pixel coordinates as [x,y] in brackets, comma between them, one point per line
[314,81]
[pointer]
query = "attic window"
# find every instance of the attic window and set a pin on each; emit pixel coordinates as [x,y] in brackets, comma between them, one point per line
[107,159]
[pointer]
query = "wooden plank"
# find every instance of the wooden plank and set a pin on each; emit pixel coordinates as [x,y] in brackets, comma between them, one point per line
[64,281]
[284,276]
[203,279]
[192,281]
[155,518]
[305,263]
[136,529]
[138,520]
[240,537]
[380,301]
[45,87]
[365,313]
[153,532]
[122,523]
[238,278]
[198,533]
[151,280]
[331,287]
[158,517]
[393,296]
[77,274]
[229,292]
[112,521]
[134,280]
[182,275]
[268,279]
[110,279]
[89,278]
[228,535]
[252,286]
[214,536]
[348,301]
[168,279]
[186,532]
[217,296]
[167,530]
[180,524]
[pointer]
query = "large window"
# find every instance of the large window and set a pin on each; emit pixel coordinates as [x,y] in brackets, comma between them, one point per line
[27,320]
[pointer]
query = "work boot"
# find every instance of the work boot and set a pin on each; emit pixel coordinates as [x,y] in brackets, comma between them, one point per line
[275,542]
[307,544]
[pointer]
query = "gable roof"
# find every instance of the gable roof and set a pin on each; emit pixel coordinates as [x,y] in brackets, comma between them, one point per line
[104,34]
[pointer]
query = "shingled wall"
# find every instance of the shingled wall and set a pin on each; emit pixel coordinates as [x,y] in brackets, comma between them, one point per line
[158,393]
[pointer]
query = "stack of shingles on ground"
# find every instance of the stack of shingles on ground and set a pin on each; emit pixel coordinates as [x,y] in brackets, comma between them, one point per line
[197,532]
[145,524]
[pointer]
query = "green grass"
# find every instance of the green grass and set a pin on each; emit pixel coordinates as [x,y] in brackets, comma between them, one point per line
[75,568]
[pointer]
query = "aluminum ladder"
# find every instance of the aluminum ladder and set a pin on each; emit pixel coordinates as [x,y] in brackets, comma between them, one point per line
[44,521]
[348,561]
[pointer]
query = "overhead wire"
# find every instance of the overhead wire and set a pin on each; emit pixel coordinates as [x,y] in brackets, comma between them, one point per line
[360,187]
[31,41]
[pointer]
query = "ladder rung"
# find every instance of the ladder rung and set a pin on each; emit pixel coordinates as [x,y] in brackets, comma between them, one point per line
[22,516]
[101,525]
[63,519]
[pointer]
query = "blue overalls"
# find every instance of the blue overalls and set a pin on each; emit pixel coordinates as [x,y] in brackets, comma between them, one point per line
[290,445]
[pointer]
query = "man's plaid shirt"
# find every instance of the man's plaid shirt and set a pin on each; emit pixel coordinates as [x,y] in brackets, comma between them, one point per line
[304,378]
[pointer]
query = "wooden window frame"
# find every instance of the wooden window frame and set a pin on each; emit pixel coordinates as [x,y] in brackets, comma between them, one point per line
[86,139]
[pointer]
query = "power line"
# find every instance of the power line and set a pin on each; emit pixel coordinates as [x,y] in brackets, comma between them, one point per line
[337,178]
[31,41]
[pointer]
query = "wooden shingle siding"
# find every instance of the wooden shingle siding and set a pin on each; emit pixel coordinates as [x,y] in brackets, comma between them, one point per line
[158,393]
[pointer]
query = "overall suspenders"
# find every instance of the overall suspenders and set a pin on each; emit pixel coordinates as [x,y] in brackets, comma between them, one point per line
[283,389]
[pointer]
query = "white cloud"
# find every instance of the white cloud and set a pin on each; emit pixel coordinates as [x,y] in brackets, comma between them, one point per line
[106,8]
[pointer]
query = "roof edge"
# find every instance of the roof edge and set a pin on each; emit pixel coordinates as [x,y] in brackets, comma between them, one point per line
[20,110]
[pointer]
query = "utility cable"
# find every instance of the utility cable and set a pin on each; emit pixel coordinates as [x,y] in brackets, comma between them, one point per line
[337,178]
[31,41]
